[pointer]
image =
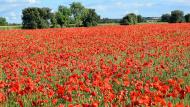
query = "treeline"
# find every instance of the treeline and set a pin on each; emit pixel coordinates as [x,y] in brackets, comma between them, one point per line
[176,16]
[76,15]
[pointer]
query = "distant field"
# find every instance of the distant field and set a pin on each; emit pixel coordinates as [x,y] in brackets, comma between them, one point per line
[153,23]
[103,24]
[100,24]
[9,27]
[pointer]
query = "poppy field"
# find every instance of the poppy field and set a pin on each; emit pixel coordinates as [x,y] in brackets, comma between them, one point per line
[103,66]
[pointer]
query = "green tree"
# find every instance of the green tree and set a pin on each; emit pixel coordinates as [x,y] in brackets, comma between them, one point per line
[30,17]
[91,19]
[140,19]
[78,12]
[63,16]
[187,17]
[53,20]
[165,18]
[45,16]
[3,21]
[33,17]
[177,16]
[129,19]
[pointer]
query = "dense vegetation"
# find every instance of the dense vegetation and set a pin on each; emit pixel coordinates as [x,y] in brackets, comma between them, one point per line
[3,21]
[131,19]
[76,14]
[187,17]
[176,16]
[34,17]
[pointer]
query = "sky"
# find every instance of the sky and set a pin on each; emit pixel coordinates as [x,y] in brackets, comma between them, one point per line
[12,9]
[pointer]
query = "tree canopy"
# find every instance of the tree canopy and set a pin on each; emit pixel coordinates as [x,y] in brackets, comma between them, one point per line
[77,14]
[140,19]
[165,18]
[177,16]
[3,21]
[129,19]
[34,17]
[91,19]
[187,17]
[63,16]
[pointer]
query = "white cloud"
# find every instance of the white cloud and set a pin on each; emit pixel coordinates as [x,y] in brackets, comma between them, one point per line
[120,7]
[31,1]
[11,1]
[122,4]
[100,7]
[21,1]
[12,9]
[13,16]
[184,2]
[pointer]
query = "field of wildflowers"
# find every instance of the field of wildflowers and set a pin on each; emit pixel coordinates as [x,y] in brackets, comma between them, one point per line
[117,66]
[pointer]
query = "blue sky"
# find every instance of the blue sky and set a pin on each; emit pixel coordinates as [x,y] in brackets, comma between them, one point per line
[12,9]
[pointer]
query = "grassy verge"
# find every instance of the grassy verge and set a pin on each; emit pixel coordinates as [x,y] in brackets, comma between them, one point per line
[9,27]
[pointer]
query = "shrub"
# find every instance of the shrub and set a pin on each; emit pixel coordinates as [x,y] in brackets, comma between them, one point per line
[129,19]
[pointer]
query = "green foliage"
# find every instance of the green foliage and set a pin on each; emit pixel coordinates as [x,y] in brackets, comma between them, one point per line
[3,21]
[63,16]
[165,18]
[78,12]
[34,17]
[76,15]
[129,19]
[187,17]
[91,18]
[43,23]
[177,16]
[53,20]
[140,19]
[45,13]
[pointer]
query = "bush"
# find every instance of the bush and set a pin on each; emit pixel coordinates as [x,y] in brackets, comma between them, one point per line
[129,19]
